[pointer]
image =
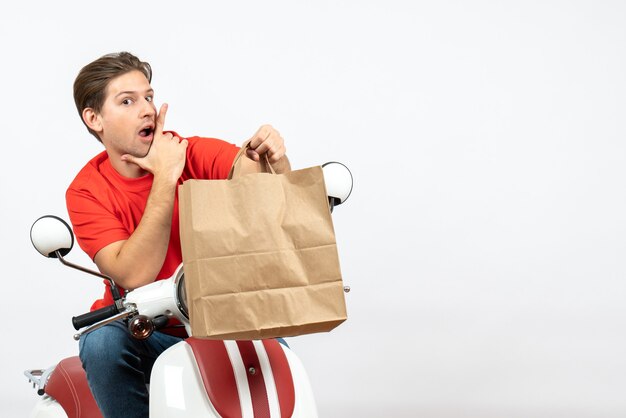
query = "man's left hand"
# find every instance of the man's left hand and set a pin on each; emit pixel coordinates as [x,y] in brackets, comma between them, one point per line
[266,140]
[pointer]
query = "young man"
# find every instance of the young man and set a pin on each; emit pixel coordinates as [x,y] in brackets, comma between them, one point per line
[124,210]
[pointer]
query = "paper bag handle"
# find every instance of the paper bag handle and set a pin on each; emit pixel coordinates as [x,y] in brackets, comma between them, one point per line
[264,164]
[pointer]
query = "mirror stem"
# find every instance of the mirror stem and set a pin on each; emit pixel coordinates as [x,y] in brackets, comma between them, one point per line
[114,290]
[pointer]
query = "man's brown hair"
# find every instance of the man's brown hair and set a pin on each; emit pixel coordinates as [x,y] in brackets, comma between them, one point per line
[92,80]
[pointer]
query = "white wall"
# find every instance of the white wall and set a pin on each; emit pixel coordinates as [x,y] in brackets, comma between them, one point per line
[484,239]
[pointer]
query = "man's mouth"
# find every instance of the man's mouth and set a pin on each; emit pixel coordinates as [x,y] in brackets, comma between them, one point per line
[146,132]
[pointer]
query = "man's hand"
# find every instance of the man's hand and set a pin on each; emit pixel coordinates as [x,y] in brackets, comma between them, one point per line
[266,140]
[166,157]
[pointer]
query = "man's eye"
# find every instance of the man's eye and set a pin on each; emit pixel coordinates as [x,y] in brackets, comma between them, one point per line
[149,99]
[126,101]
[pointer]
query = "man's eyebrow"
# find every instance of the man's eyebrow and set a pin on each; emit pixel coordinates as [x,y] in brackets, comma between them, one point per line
[150,91]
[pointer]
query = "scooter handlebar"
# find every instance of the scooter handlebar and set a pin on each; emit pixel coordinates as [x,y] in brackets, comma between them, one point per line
[91,318]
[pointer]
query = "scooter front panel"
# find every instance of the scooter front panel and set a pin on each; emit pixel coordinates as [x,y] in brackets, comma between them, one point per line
[223,379]
[270,380]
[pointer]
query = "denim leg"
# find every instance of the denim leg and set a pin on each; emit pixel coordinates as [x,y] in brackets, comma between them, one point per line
[118,367]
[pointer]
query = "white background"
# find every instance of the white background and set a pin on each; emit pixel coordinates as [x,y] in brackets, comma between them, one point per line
[484,239]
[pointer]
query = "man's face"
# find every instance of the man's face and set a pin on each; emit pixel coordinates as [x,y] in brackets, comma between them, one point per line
[127,117]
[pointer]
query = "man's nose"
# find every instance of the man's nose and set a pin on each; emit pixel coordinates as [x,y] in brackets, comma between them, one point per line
[148,109]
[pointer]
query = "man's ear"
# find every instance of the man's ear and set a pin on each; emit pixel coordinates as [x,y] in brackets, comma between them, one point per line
[92,119]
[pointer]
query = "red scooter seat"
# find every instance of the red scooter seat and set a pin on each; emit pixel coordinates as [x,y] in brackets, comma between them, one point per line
[68,385]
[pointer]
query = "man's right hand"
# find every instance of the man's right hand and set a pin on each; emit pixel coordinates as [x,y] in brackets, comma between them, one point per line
[167,154]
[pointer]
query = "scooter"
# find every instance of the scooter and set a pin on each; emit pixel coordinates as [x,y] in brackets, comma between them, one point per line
[195,377]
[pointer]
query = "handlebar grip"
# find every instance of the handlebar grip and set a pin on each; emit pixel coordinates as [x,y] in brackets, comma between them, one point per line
[91,318]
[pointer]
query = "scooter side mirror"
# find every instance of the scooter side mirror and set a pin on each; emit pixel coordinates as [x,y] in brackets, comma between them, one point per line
[53,238]
[50,234]
[338,180]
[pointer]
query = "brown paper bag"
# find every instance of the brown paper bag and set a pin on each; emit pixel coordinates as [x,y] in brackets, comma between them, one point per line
[260,255]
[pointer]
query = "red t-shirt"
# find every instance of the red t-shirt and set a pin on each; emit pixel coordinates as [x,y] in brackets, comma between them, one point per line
[105,207]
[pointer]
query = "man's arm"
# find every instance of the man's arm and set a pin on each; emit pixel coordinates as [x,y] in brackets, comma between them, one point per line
[137,261]
[266,140]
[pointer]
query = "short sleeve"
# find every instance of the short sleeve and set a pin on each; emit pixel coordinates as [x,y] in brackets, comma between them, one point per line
[95,226]
[209,158]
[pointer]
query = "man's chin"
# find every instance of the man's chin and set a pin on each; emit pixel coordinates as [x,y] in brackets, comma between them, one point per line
[141,153]
[136,155]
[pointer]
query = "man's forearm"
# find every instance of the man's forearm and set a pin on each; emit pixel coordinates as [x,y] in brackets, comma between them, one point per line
[137,261]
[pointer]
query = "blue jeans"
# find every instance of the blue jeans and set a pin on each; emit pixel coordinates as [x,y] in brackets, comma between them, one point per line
[118,368]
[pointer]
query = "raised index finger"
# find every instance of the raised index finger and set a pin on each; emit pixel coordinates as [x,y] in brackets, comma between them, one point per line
[160,120]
